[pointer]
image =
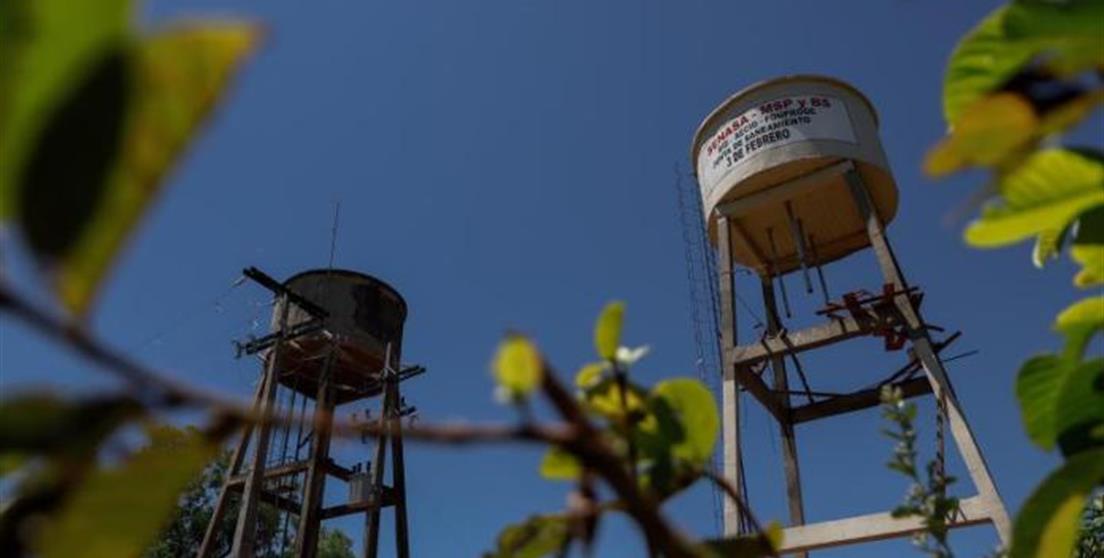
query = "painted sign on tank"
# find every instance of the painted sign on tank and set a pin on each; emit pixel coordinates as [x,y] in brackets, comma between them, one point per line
[777,122]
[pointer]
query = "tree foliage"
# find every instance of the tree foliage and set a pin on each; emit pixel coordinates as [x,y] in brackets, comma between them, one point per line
[1028,73]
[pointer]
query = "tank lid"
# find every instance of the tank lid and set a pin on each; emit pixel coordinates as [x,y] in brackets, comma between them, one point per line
[348,273]
[715,113]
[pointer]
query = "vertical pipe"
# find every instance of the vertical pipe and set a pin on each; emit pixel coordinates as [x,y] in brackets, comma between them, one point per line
[398,473]
[772,267]
[820,272]
[799,243]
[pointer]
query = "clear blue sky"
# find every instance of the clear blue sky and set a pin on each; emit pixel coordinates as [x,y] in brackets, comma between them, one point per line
[508,164]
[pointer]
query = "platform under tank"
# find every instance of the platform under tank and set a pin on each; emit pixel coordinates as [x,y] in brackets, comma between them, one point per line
[774,132]
[366,315]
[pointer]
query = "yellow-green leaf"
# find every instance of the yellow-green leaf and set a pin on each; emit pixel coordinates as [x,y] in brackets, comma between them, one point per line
[590,374]
[118,511]
[607,330]
[517,366]
[1066,36]
[558,464]
[536,537]
[1047,525]
[1079,322]
[605,399]
[179,76]
[987,133]
[46,48]
[1046,192]
[696,411]
[1088,248]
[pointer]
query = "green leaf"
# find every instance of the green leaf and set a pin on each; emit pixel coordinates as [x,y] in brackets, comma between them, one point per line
[47,48]
[1038,387]
[607,330]
[517,366]
[1055,391]
[604,399]
[590,374]
[1088,248]
[1078,323]
[1047,246]
[1047,192]
[179,76]
[1047,524]
[1079,412]
[558,464]
[696,412]
[989,132]
[536,537]
[43,424]
[119,511]
[1011,37]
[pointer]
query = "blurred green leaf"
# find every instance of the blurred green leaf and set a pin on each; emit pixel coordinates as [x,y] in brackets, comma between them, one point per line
[558,464]
[1078,323]
[47,47]
[1088,248]
[1079,412]
[1046,192]
[119,511]
[607,330]
[517,366]
[44,424]
[1038,387]
[1047,524]
[1067,36]
[604,399]
[990,131]
[536,537]
[180,74]
[590,374]
[1048,245]
[1052,388]
[693,405]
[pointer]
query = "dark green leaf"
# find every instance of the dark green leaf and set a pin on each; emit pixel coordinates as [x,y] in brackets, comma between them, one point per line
[536,537]
[1047,524]
[47,48]
[118,511]
[179,76]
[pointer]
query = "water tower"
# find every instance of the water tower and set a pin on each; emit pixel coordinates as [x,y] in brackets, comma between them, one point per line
[336,339]
[792,176]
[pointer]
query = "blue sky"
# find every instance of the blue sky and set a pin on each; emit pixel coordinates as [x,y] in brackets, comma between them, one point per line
[509,164]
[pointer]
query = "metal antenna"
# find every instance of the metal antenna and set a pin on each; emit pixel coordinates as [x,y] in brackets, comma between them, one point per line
[333,233]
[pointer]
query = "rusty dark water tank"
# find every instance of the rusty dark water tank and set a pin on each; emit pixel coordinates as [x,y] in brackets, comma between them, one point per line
[364,326]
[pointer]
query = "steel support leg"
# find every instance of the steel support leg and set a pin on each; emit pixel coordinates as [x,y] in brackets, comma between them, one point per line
[933,365]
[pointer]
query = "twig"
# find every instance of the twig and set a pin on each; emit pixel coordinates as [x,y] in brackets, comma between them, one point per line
[596,454]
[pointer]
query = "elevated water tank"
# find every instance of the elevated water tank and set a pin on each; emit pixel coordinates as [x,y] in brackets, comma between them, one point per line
[365,316]
[774,132]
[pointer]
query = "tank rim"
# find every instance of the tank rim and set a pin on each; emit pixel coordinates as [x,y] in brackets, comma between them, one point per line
[350,273]
[696,144]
